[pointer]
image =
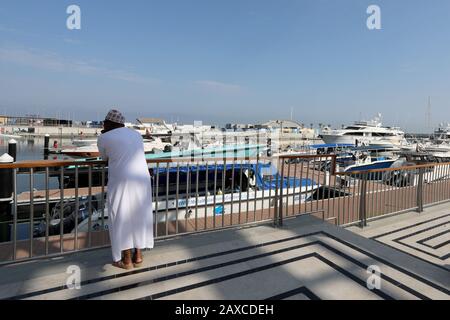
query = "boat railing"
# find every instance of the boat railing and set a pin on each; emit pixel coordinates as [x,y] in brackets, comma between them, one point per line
[54,207]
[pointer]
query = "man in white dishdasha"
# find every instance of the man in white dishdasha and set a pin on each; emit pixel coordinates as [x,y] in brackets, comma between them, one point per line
[129,194]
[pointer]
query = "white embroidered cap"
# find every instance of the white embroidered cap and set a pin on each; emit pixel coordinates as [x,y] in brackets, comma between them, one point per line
[115,116]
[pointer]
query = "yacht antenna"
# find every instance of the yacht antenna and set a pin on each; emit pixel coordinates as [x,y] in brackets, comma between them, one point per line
[429,113]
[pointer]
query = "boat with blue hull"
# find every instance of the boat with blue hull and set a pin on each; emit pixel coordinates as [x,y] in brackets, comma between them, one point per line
[245,151]
[377,164]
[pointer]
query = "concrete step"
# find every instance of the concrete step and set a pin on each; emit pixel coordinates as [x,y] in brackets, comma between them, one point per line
[306,259]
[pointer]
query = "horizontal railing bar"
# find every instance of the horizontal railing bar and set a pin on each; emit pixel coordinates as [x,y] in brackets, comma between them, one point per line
[47,164]
[65,163]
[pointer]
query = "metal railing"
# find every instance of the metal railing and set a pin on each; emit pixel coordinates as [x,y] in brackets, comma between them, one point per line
[195,195]
[356,197]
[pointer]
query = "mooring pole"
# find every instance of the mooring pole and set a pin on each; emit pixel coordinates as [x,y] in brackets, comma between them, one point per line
[12,149]
[46,144]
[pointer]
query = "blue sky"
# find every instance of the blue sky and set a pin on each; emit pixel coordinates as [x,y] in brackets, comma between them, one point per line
[228,61]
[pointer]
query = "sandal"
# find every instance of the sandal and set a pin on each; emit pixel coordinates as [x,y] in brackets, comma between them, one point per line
[137,264]
[120,264]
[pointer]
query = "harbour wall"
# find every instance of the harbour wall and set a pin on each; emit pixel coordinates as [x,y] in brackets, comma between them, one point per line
[40,131]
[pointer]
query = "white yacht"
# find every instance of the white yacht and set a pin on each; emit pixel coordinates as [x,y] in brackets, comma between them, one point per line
[365,133]
[442,133]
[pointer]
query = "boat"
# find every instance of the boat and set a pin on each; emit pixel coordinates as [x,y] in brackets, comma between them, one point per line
[11,136]
[84,142]
[151,145]
[213,154]
[68,208]
[368,133]
[410,177]
[256,192]
[367,158]
[441,133]
[348,157]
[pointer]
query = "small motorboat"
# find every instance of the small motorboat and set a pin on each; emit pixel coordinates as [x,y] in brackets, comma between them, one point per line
[151,145]
[84,142]
[12,136]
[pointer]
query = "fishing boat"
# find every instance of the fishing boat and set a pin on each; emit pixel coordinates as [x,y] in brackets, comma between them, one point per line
[367,158]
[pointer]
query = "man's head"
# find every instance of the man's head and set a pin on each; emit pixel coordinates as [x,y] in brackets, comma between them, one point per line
[113,120]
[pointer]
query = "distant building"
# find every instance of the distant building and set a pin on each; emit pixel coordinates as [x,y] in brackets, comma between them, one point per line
[151,121]
[33,121]
[288,126]
[239,126]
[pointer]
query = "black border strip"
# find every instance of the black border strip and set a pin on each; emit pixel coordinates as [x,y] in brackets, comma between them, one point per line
[418,278]
[262,268]
[408,227]
[422,231]
[420,250]
[161,266]
[390,264]
[434,236]
[190,272]
[440,245]
[301,290]
[413,256]
[383,276]
[400,242]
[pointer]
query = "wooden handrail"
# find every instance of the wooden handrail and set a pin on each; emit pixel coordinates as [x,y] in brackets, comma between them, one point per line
[47,164]
[196,158]
[65,163]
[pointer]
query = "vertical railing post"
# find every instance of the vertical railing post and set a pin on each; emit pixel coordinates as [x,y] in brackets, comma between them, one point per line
[14,207]
[77,208]
[275,208]
[362,201]
[419,195]
[31,211]
[333,165]
[90,206]
[280,208]
[61,210]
